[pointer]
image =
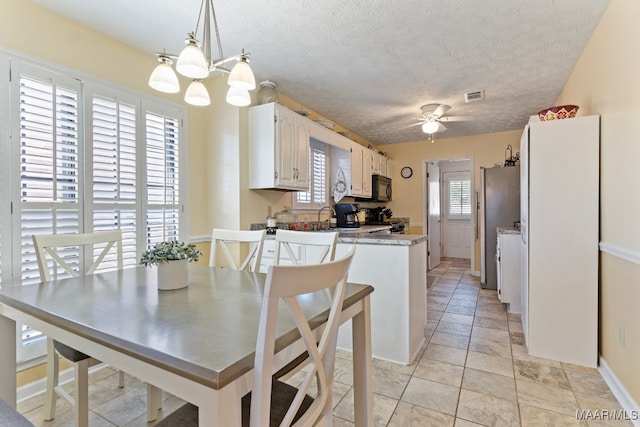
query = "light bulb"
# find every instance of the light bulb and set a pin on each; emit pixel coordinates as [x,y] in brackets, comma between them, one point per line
[430,127]
[197,94]
[164,79]
[192,62]
[238,97]
[241,76]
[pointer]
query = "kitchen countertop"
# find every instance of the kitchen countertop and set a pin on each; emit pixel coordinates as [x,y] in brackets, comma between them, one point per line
[508,230]
[373,235]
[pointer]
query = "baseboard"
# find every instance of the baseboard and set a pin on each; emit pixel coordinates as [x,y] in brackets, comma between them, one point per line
[37,387]
[476,274]
[200,239]
[620,392]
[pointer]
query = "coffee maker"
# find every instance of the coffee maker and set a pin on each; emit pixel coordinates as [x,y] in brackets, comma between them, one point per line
[347,215]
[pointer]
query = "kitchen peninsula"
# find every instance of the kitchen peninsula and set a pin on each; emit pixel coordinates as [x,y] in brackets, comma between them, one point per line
[395,265]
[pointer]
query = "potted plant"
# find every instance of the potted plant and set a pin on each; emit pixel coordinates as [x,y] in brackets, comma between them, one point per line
[172,258]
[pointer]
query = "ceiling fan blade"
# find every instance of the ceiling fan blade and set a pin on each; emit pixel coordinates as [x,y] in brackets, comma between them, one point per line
[442,108]
[412,125]
[456,118]
[441,127]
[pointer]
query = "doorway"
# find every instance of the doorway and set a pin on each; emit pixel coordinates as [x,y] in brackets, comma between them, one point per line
[449,214]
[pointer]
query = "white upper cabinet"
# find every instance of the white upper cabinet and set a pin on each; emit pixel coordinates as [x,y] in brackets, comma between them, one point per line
[278,148]
[367,166]
[379,164]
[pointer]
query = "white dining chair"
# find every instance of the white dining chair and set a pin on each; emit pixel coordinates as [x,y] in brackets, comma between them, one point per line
[324,242]
[222,239]
[272,402]
[60,249]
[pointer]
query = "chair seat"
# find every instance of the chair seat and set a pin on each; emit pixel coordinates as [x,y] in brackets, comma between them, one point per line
[69,353]
[282,394]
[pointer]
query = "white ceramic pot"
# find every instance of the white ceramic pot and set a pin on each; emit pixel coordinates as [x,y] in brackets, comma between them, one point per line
[173,275]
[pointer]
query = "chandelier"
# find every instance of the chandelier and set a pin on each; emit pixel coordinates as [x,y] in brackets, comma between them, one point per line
[196,63]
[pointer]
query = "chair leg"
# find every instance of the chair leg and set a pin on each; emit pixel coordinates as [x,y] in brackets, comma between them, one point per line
[52,381]
[81,410]
[120,379]
[154,402]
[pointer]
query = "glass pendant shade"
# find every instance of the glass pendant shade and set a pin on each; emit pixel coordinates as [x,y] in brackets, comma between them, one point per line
[192,62]
[430,127]
[241,76]
[164,79]
[197,94]
[238,97]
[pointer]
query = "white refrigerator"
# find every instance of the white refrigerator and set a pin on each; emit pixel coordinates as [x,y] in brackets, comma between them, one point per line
[559,218]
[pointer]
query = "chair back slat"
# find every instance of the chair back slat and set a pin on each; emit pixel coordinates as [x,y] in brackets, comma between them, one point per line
[287,282]
[325,241]
[51,244]
[220,238]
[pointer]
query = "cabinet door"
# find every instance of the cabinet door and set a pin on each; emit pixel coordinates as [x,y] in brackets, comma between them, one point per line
[356,169]
[269,253]
[285,150]
[301,163]
[367,159]
[383,166]
[375,164]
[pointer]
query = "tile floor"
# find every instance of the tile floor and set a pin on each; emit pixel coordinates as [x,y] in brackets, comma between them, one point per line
[474,370]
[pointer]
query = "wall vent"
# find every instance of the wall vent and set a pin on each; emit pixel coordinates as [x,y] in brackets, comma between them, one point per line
[473,96]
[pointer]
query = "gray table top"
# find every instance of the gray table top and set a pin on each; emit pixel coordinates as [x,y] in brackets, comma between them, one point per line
[206,332]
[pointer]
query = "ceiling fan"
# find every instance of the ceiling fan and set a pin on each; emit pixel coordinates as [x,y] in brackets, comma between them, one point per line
[432,118]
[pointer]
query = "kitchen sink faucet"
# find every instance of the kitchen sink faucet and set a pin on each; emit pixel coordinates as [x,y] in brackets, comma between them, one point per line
[327,222]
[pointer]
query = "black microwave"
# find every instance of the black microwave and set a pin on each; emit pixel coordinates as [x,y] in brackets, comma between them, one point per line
[380,188]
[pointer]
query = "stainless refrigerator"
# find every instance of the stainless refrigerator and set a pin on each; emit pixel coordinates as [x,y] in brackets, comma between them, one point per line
[499,207]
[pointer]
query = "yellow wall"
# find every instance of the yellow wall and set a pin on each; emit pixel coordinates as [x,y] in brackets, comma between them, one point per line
[408,201]
[605,81]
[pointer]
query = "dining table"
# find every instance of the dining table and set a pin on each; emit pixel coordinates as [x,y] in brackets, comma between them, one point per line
[197,343]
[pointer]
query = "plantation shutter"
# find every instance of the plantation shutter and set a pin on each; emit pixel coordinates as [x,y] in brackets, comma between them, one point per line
[48,174]
[459,190]
[49,165]
[113,175]
[317,195]
[163,163]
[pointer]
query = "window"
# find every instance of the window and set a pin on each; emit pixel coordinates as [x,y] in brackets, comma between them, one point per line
[88,157]
[318,194]
[458,195]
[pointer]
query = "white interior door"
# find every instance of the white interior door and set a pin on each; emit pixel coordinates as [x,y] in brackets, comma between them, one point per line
[433,208]
[457,228]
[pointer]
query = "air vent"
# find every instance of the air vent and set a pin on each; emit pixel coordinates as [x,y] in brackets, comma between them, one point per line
[473,96]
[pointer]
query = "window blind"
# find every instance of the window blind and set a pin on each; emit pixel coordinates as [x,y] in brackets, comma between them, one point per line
[317,195]
[114,174]
[459,197]
[163,178]
[80,151]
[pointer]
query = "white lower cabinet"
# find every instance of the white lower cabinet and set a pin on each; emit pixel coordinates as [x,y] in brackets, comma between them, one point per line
[508,269]
[399,299]
[269,255]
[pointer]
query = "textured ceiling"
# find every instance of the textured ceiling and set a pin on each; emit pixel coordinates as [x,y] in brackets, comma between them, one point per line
[369,65]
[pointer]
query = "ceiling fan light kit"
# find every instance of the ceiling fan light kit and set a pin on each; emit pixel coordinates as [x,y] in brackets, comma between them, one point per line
[432,118]
[196,63]
[430,127]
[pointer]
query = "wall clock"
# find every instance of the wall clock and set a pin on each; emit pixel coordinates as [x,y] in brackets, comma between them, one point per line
[406,172]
